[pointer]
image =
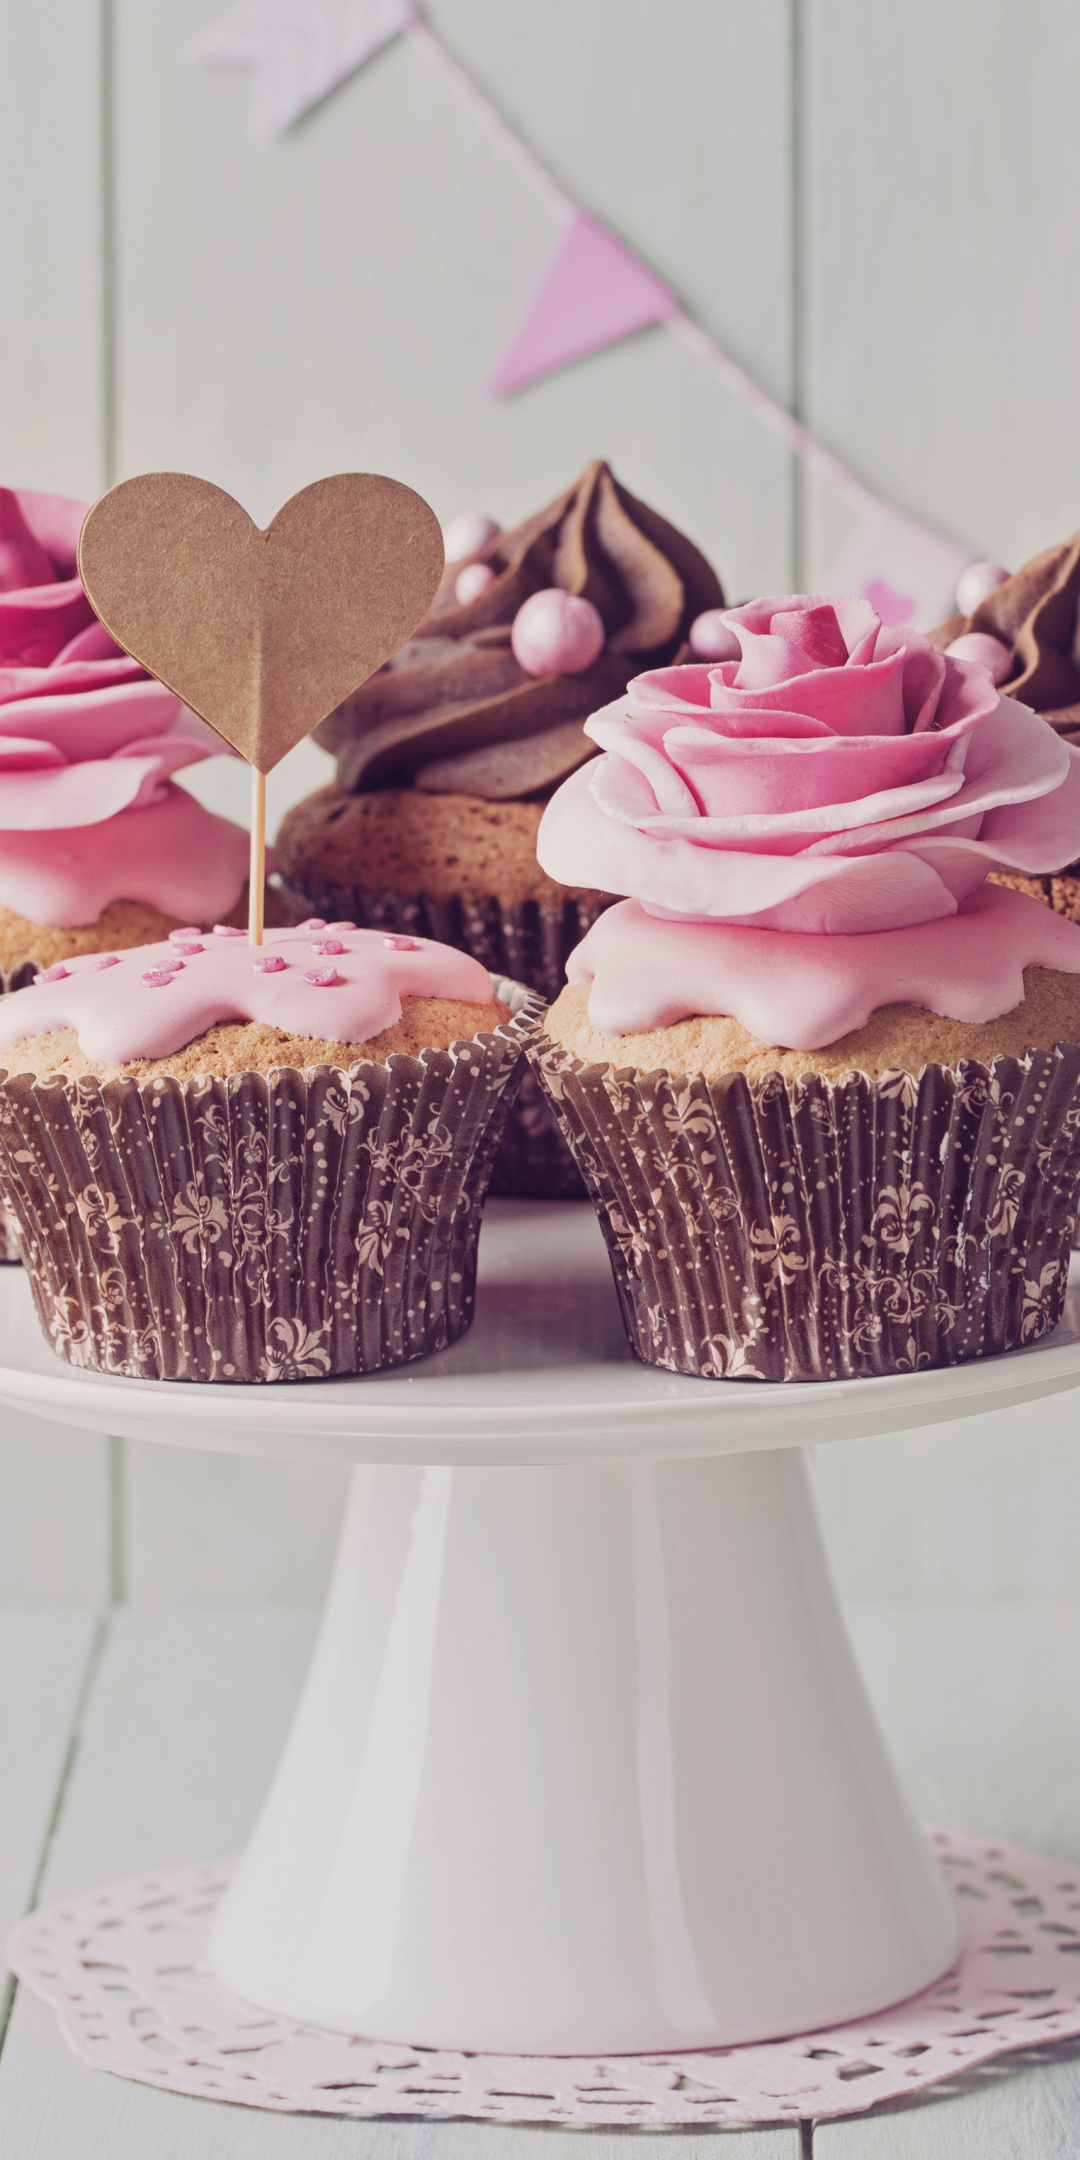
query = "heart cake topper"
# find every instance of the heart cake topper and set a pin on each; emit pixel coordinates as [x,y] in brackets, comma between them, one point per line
[261,633]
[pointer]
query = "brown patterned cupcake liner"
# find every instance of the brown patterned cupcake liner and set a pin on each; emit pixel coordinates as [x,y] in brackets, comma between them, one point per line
[526,941]
[829,1229]
[260,1228]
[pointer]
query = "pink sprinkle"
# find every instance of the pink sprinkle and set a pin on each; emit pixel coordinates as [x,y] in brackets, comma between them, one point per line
[270,964]
[156,978]
[328,945]
[341,926]
[316,923]
[187,950]
[52,974]
[109,959]
[222,929]
[402,944]
[321,978]
[176,937]
[173,964]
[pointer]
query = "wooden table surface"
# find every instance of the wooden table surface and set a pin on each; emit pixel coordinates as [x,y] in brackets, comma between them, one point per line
[139,1737]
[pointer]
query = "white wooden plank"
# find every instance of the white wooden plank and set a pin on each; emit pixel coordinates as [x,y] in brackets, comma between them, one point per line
[54,1513]
[228,1529]
[985,1508]
[43,1663]
[337,297]
[51,248]
[982,1710]
[942,320]
[179,1739]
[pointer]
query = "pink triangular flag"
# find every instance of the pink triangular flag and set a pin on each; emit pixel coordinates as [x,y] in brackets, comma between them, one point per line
[592,292]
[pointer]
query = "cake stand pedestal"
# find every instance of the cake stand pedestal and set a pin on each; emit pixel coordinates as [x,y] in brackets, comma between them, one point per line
[583,1762]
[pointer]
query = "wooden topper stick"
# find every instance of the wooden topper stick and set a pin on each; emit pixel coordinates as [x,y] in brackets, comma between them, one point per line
[257,873]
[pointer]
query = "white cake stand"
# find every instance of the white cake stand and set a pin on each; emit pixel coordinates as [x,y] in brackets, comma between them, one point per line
[583,1763]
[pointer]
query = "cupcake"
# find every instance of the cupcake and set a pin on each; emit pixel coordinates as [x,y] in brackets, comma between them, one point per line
[446,756]
[99,849]
[820,1076]
[1026,629]
[240,1164]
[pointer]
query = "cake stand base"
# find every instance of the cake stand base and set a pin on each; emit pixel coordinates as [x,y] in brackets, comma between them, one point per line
[583,1763]
[125,1969]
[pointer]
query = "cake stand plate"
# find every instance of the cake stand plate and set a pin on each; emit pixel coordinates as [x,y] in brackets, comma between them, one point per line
[126,1970]
[583,1763]
[544,1375]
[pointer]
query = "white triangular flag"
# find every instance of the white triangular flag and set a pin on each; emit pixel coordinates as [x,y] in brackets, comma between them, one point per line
[297,50]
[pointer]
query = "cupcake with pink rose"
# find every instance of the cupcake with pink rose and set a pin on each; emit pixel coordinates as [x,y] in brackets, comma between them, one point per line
[819,1074]
[446,756]
[100,848]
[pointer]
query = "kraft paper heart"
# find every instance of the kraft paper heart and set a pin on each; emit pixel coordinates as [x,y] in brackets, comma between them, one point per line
[261,633]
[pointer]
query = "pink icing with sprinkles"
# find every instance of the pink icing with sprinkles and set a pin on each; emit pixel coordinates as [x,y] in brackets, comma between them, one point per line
[223,929]
[188,950]
[329,945]
[178,937]
[315,922]
[226,981]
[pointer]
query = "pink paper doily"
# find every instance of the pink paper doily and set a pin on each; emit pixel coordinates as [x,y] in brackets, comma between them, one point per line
[125,1969]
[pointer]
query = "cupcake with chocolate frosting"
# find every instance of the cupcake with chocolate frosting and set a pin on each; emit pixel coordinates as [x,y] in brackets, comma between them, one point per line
[446,756]
[822,1078]
[1026,628]
[240,1164]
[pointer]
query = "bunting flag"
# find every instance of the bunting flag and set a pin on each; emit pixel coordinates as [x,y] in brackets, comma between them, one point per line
[297,50]
[592,292]
[907,571]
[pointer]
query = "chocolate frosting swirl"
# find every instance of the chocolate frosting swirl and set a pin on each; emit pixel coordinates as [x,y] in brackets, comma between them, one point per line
[453,712]
[1037,615]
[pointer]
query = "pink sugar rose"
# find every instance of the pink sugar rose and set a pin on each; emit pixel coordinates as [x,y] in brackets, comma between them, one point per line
[839,776]
[87,738]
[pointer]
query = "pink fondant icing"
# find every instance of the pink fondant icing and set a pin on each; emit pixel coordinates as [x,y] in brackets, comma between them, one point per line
[152,1002]
[840,777]
[87,740]
[839,781]
[803,992]
[170,853]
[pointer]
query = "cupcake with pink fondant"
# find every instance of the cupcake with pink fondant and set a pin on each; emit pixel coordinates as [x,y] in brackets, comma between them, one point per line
[820,1076]
[446,756]
[240,1163]
[100,848]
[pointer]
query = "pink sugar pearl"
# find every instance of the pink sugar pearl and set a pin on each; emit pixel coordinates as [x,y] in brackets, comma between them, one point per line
[270,964]
[976,584]
[314,922]
[712,637]
[108,959]
[556,633]
[52,974]
[472,581]
[328,945]
[157,978]
[335,928]
[222,929]
[469,534]
[176,937]
[988,651]
[402,944]
[321,978]
[188,950]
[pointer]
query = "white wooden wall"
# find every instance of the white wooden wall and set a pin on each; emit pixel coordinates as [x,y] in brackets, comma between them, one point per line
[873,207]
